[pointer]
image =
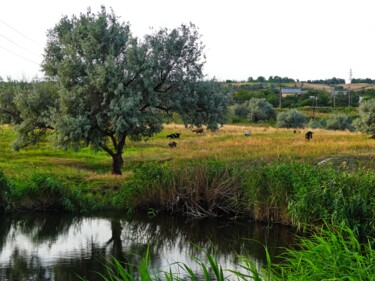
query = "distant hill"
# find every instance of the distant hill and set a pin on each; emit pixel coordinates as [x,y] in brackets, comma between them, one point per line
[322,87]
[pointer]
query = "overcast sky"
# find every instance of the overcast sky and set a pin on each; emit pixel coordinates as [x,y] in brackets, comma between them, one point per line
[301,39]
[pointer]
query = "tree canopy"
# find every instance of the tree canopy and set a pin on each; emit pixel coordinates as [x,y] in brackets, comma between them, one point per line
[114,86]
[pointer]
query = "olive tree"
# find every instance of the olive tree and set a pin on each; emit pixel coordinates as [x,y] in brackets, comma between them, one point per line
[366,121]
[114,86]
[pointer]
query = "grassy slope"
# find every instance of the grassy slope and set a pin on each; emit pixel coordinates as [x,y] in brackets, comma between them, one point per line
[229,143]
[91,170]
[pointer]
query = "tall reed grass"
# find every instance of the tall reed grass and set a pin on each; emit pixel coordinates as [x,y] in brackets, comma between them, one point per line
[290,193]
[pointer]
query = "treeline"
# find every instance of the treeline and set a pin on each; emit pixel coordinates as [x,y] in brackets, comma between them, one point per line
[360,80]
[332,81]
[271,94]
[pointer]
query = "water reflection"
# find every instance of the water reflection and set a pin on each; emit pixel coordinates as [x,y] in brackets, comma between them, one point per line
[61,247]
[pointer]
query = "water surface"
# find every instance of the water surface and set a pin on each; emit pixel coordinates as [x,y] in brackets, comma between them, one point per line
[62,247]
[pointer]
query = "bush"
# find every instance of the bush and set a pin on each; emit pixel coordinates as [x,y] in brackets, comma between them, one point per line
[241,111]
[291,119]
[366,121]
[260,110]
[317,123]
[340,122]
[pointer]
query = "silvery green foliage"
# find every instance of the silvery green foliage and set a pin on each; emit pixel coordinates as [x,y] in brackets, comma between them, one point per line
[203,102]
[115,86]
[27,107]
[340,122]
[260,110]
[317,123]
[366,121]
[9,113]
[35,105]
[291,119]
[241,110]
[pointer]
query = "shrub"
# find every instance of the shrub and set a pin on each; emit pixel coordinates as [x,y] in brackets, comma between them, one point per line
[291,119]
[340,122]
[260,110]
[241,111]
[366,121]
[317,123]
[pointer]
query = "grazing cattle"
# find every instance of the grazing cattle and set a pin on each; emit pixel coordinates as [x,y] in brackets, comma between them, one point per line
[198,131]
[172,144]
[309,135]
[174,136]
[294,131]
[247,133]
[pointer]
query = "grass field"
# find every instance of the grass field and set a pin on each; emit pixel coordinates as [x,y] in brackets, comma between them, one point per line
[229,143]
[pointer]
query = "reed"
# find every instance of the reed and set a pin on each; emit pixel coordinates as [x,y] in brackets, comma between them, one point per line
[332,253]
[293,193]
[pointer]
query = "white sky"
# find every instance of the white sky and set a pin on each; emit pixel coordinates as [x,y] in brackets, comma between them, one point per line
[301,39]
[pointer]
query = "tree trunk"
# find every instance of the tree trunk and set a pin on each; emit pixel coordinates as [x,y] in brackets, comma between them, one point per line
[117,163]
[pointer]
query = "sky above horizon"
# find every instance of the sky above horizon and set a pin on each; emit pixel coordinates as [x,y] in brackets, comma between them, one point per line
[300,39]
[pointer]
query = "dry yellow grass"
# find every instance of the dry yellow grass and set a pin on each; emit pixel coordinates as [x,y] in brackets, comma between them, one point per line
[267,144]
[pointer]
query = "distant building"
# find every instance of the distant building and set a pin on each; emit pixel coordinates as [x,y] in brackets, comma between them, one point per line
[288,92]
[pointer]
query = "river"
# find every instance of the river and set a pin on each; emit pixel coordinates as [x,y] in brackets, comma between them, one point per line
[56,246]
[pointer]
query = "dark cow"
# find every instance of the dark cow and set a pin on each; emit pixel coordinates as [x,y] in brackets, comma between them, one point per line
[174,136]
[309,135]
[198,131]
[172,144]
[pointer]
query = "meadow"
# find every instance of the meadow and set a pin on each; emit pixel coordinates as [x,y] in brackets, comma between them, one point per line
[266,145]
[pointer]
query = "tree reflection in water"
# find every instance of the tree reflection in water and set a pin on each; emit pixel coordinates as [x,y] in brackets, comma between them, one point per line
[58,247]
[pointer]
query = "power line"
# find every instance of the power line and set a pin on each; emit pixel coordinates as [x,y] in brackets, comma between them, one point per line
[27,37]
[22,57]
[6,38]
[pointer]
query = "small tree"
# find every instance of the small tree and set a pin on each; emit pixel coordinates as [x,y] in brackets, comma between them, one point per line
[291,119]
[340,122]
[366,121]
[260,110]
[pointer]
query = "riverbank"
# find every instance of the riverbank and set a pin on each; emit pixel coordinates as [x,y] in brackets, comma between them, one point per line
[275,175]
[297,194]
